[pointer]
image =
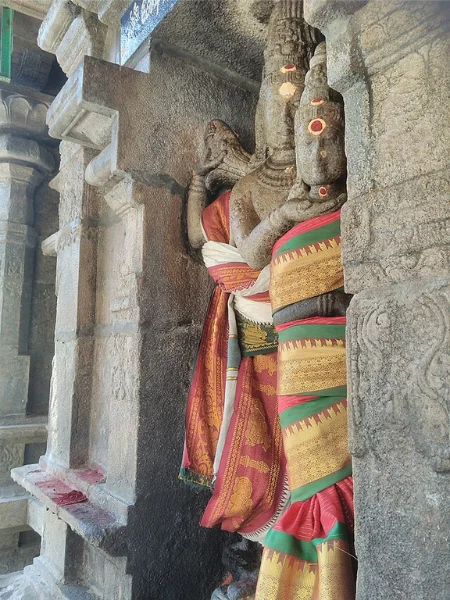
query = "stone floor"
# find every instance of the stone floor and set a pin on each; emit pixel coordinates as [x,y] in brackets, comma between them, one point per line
[15,587]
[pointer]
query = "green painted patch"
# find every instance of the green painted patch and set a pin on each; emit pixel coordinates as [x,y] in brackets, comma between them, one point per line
[6,44]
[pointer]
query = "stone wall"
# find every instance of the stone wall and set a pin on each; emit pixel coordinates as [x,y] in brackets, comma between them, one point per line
[130,307]
[390,59]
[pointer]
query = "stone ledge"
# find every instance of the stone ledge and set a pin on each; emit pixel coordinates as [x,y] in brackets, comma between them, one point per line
[13,513]
[95,525]
[91,483]
[31,430]
[39,584]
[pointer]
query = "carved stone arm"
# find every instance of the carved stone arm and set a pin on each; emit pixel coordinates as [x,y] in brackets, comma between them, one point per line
[331,304]
[197,199]
[302,209]
[255,238]
[223,162]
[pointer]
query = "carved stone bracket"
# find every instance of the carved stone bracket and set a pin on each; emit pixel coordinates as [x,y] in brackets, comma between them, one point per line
[34,8]
[71,32]
[86,112]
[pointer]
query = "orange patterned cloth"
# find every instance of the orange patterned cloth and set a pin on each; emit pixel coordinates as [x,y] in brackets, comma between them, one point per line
[245,470]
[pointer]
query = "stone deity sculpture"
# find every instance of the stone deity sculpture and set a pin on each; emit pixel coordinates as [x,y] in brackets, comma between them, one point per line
[308,551]
[259,215]
[288,193]
[233,438]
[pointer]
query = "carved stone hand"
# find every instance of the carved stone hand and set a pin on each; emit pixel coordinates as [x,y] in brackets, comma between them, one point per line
[297,210]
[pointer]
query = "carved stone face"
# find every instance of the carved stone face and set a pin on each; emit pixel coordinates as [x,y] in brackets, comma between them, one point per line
[320,147]
[279,99]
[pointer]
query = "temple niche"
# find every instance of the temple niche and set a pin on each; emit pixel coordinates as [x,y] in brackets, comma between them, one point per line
[266,425]
[251,279]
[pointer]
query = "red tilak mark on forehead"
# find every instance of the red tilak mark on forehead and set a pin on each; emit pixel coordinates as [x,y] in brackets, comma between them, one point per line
[317,126]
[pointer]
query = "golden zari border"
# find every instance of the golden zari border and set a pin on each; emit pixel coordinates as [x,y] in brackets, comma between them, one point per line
[303,369]
[296,276]
[317,446]
[286,577]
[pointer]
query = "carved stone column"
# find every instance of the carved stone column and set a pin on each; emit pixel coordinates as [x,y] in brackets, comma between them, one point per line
[24,163]
[391,62]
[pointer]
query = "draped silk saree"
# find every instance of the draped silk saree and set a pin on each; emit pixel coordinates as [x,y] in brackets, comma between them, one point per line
[233,438]
[307,554]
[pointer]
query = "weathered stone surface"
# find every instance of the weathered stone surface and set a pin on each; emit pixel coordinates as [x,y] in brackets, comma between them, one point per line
[16,587]
[399,364]
[390,61]
[131,301]
[26,161]
[35,8]
[19,113]
[130,304]
[30,66]
[71,33]
[43,304]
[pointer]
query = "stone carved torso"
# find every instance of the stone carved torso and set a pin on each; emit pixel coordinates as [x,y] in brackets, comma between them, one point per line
[303,168]
[263,190]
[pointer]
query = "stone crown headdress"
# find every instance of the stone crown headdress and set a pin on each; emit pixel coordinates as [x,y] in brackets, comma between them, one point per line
[290,42]
[318,99]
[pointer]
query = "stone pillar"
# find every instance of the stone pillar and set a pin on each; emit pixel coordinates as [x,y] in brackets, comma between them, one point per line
[24,163]
[390,61]
[131,304]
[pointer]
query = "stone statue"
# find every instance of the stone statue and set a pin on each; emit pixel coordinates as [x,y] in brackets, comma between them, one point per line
[233,438]
[256,204]
[320,187]
[308,551]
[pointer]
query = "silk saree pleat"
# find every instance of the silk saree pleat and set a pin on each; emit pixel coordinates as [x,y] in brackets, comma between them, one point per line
[233,436]
[205,402]
[206,397]
[249,486]
[308,553]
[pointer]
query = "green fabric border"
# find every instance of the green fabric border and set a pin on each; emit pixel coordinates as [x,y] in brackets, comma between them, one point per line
[307,409]
[310,237]
[302,549]
[305,332]
[340,390]
[194,479]
[310,489]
